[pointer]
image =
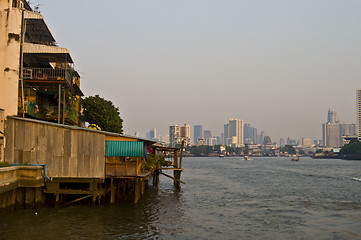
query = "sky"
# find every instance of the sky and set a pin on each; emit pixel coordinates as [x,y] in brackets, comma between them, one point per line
[277,64]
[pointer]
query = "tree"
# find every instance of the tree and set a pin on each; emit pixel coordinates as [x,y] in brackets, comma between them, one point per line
[351,150]
[97,110]
[289,149]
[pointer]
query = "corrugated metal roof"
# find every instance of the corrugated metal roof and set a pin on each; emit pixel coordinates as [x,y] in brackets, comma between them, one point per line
[124,149]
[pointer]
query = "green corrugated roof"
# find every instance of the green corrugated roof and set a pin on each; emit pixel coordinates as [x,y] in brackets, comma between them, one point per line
[124,149]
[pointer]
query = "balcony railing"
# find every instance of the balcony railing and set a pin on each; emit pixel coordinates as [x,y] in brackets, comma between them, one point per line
[48,74]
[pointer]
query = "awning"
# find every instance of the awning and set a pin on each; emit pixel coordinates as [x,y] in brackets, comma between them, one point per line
[50,53]
[124,149]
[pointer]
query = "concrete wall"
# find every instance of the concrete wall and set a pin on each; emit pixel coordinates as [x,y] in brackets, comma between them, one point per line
[21,187]
[68,152]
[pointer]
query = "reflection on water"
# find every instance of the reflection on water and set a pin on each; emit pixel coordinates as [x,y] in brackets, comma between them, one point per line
[229,198]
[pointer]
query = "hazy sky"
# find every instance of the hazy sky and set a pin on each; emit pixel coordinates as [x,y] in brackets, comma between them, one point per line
[277,64]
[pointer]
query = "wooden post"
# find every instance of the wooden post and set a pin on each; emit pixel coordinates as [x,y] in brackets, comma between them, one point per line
[112,191]
[136,190]
[156,178]
[59,102]
[94,190]
[181,154]
[175,160]
[57,199]
[177,181]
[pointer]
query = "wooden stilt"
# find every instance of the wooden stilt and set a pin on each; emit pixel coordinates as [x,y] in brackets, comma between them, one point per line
[112,191]
[57,199]
[156,178]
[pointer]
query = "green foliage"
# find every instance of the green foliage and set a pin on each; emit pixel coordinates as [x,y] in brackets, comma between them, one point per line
[202,150]
[4,164]
[319,151]
[289,149]
[153,161]
[103,113]
[352,150]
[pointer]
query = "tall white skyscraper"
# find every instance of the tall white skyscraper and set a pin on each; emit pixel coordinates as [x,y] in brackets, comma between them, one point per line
[233,132]
[358,111]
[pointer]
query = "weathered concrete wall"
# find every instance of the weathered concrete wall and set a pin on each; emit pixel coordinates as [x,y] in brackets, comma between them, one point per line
[21,187]
[10,31]
[67,152]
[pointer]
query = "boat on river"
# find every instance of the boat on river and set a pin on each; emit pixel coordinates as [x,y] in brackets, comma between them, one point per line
[295,159]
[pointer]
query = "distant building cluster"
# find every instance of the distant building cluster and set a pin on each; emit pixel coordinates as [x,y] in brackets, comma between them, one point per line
[236,133]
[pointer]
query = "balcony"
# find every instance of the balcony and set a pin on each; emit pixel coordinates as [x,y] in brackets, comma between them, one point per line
[50,113]
[48,75]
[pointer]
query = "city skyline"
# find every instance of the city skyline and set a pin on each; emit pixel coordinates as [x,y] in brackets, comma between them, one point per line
[278,65]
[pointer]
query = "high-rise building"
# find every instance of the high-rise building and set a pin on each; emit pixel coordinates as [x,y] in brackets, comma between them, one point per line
[358,111]
[331,134]
[211,141]
[282,142]
[332,116]
[174,134]
[137,134]
[197,134]
[153,134]
[233,132]
[178,133]
[334,130]
[249,134]
[261,138]
[207,134]
[186,132]
[305,142]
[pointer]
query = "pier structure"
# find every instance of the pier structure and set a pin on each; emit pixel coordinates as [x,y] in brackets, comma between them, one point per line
[82,163]
[176,165]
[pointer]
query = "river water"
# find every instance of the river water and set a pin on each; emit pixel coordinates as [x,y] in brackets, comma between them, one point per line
[223,198]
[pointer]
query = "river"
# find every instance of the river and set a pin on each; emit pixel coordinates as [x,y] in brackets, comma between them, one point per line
[222,198]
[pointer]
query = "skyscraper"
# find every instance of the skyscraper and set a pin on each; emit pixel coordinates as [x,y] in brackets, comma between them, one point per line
[153,133]
[333,130]
[332,116]
[178,133]
[233,132]
[197,134]
[358,111]
[207,134]
[174,134]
